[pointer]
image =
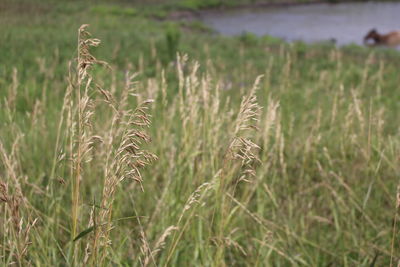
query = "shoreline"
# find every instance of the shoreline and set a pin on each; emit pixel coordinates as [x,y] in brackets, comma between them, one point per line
[196,14]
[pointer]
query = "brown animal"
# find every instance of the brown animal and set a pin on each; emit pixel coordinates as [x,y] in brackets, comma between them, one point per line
[391,39]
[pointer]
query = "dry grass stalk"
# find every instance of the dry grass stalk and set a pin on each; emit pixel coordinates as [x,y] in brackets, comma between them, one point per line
[80,121]
[159,244]
[125,158]
[65,114]
[10,162]
[193,199]
[17,226]
[145,248]
[241,150]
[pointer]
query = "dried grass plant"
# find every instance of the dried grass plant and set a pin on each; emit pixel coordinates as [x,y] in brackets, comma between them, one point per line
[123,142]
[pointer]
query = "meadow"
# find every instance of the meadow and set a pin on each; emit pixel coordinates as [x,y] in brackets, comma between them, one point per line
[130,139]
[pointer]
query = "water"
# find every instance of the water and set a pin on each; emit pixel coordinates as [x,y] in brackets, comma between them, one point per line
[346,23]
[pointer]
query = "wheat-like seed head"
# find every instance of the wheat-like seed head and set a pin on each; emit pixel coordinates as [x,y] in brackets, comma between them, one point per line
[85,59]
[241,146]
[159,245]
[130,158]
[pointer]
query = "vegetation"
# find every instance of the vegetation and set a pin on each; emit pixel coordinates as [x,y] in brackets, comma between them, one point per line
[168,145]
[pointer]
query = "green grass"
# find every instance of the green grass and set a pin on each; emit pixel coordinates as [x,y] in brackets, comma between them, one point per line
[323,192]
[115,10]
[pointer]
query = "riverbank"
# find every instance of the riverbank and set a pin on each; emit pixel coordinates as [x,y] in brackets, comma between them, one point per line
[342,24]
[192,8]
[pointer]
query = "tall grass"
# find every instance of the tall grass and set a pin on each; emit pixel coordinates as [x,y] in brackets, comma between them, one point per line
[199,165]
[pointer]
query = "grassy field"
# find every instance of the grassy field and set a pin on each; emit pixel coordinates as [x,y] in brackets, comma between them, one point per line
[168,145]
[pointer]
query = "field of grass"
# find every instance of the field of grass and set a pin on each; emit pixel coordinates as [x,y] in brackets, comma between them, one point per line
[168,145]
